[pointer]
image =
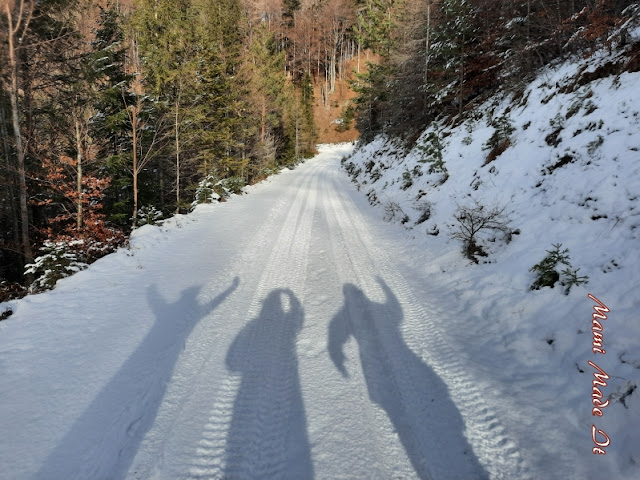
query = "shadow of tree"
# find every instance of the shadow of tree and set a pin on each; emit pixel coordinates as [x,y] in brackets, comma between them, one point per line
[104,440]
[414,397]
[268,431]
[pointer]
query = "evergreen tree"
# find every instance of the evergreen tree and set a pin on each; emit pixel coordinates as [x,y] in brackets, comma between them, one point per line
[166,37]
[290,9]
[224,121]
[109,125]
[374,30]
[450,49]
[268,84]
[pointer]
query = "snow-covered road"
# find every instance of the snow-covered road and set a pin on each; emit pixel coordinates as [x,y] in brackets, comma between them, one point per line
[273,336]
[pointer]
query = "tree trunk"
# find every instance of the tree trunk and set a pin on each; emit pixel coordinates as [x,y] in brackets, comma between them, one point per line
[134,127]
[462,64]
[177,154]
[426,56]
[10,182]
[78,171]
[297,142]
[263,124]
[13,95]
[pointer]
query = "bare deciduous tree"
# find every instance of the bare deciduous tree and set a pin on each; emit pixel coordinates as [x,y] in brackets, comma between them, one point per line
[18,15]
[477,222]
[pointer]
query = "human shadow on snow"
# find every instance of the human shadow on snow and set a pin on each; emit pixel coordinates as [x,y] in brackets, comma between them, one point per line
[104,440]
[414,397]
[268,437]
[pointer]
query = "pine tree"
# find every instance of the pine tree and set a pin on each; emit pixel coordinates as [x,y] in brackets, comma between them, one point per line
[109,125]
[268,85]
[450,49]
[166,37]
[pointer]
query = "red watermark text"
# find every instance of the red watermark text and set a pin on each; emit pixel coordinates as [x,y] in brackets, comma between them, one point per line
[600,439]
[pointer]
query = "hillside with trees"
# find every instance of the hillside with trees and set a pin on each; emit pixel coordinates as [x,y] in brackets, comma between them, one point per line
[115,114]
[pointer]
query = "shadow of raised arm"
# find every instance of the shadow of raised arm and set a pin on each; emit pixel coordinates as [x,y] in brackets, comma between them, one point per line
[212,304]
[339,335]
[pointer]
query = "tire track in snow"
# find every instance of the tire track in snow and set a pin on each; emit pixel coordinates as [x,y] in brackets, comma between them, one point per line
[199,377]
[383,457]
[488,438]
[355,267]
[259,447]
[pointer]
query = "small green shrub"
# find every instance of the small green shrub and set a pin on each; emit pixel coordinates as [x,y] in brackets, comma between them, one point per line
[205,193]
[570,278]
[503,130]
[547,274]
[595,144]
[345,121]
[407,180]
[432,152]
[500,140]
[231,185]
[213,188]
[149,216]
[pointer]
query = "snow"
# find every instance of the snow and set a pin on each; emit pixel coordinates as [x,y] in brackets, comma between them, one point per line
[533,347]
[291,333]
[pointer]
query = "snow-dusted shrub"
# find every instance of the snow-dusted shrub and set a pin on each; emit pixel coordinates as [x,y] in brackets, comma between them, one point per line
[213,188]
[6,313]
[372,197]
[346,119]
[11,290]
[478,224]
[594,145]
[424,208]
[407,180]
[351,169]
[547,274]
[500,140]
[432,152]
[149,216]
[205,193]
[231,185]
[57,260]
[268,171]
[393,212]
[557,123]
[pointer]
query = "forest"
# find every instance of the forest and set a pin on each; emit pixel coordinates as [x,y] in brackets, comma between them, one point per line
[114,114]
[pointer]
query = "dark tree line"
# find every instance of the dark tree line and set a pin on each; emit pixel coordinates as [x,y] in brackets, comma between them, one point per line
[438,57]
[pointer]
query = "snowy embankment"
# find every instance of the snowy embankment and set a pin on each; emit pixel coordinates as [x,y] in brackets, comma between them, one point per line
[560,164]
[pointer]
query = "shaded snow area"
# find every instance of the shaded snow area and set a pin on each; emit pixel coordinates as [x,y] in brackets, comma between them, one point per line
[560,162]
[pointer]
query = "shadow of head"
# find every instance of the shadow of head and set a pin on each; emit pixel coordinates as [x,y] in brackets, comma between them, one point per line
[351,291]
[282,304]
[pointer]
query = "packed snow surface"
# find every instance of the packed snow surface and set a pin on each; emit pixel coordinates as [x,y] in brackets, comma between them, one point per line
[288,333]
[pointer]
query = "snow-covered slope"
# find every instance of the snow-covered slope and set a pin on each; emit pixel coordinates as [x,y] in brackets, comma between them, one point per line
[566,172]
